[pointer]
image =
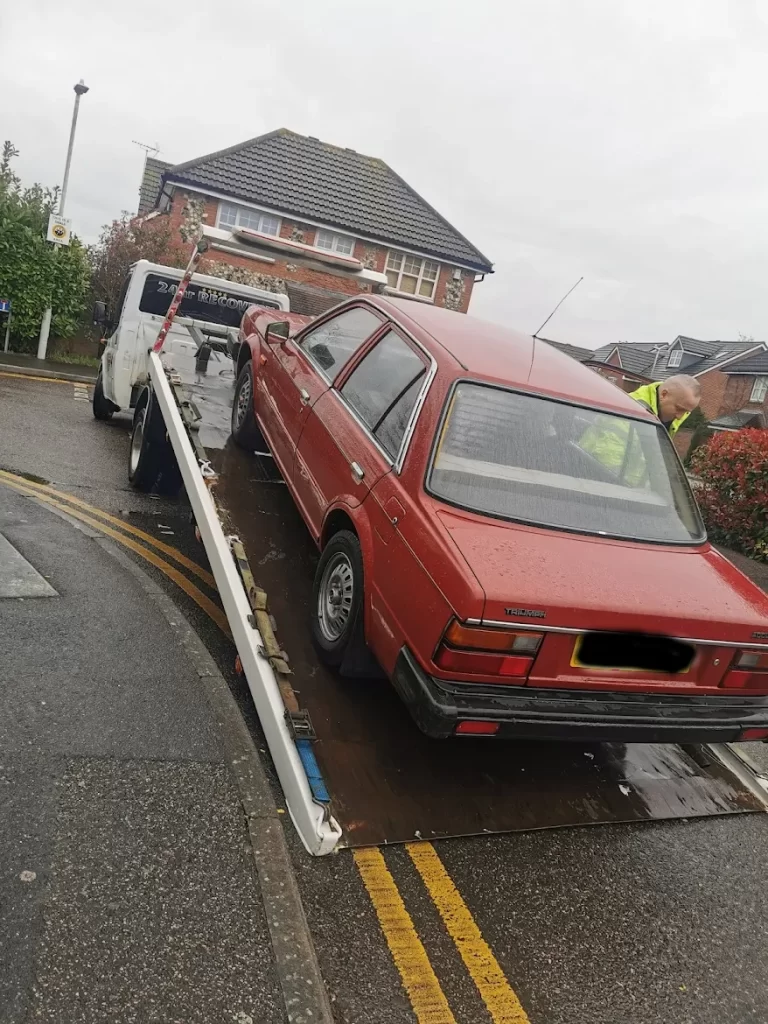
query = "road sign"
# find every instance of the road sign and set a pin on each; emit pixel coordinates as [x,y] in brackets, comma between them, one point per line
[5,305]
[59,229]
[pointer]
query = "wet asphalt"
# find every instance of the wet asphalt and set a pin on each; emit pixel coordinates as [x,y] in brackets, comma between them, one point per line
[617,924]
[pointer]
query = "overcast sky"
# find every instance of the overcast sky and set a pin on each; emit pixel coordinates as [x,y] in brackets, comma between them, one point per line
[622,140]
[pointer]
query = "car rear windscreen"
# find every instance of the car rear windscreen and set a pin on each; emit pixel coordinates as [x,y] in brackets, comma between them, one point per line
[535,460]
[212,305]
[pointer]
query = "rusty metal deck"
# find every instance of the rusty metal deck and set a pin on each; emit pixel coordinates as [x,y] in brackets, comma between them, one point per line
[388,782]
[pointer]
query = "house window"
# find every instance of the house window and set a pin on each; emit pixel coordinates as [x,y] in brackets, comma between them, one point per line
[412,275]
[759,389]
[231,216]
[329,240]
[675,357]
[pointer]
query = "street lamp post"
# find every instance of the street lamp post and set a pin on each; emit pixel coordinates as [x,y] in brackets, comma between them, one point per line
[80,90]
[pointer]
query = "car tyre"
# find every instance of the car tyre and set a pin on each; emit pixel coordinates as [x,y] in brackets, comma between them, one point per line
[103,409]
[151,461]
[337,598]
[245,430]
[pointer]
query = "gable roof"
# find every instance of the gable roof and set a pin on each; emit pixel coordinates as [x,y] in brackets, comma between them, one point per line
[581,355]
[635,356]
[303,176]
[710,354]
[752,364]
[150,183]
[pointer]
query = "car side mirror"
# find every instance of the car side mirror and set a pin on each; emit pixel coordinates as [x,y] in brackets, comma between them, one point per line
[99,314]
[279,331]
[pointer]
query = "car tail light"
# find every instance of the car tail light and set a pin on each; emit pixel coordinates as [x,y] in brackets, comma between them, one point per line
[476,650]
[477,728]
[747,734]
[748,671]
[479,638]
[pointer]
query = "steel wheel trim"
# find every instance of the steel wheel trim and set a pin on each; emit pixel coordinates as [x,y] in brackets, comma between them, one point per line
[336,592]
[138,439]
[243,401]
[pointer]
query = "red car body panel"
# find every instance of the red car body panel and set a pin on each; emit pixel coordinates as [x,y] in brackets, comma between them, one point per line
[427,563]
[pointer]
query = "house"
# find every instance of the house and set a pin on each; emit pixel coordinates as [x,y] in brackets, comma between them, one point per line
[622,376]
[334,199]
[733,376]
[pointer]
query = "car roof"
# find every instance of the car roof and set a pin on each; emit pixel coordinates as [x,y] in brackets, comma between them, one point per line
[501,355]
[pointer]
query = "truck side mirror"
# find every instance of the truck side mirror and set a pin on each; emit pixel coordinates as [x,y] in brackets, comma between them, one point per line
[99,314]
[278,331]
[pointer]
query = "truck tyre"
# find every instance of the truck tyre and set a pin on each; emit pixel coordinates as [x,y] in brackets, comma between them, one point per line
[102,407]
[245,429]
[337,604]
[151,463]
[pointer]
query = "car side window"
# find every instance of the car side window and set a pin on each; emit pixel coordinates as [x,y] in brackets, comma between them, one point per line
[384,388]
[333,343]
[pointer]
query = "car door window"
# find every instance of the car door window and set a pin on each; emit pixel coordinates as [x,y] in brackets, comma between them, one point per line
[332,344]
[384,388]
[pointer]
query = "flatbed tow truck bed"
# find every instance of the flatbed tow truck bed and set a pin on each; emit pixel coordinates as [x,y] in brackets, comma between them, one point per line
[363,774]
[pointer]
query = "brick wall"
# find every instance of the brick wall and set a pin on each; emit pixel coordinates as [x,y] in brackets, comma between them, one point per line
[189,210]
[682,442]
[723,393]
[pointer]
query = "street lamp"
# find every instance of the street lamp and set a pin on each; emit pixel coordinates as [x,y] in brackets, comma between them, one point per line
[80,90]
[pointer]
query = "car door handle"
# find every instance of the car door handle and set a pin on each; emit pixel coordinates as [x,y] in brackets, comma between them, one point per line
[357,471]
[305,396]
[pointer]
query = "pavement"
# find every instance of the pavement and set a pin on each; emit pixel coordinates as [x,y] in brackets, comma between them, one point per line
[20,362]
[145,904]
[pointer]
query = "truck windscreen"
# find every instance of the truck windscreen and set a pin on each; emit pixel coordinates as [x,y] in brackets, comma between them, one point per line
[212,305]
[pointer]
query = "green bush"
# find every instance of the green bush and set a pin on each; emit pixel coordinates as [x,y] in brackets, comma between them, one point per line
[733,472]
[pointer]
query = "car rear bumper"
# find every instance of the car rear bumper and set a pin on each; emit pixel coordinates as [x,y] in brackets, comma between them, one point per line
[589,715]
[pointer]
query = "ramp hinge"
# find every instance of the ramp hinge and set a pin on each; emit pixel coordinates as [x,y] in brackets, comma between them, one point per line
[300,725]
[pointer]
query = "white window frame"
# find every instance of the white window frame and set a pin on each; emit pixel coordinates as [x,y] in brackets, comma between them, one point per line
[675,358]
[336,237]
[759,389]
[424,260]
[250,212]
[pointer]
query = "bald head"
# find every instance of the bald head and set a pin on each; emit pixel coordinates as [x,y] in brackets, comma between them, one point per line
[677,396]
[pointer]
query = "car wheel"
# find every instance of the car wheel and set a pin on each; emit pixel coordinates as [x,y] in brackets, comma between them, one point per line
[103,409]
[245,429]
[151,462]
[337,597]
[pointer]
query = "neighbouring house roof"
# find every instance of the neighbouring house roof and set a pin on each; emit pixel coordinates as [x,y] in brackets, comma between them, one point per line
[652,360]
[738,420]
[305,177]
[710,354]
[574,351]
[754,364]
[150,183]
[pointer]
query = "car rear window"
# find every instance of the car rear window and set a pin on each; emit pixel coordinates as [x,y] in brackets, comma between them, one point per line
[551,464]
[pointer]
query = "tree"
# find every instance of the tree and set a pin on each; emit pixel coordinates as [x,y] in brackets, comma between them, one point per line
[121,244]
[34,273]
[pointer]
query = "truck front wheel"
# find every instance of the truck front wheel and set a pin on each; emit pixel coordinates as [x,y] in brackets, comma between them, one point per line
[151,462]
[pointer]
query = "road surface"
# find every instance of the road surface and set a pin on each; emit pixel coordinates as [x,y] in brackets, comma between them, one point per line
[615,924]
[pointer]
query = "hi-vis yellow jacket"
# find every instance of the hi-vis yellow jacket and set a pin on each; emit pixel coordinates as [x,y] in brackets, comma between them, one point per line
[612,443]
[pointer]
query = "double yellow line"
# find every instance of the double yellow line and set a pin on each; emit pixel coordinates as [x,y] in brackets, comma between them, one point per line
[420,982]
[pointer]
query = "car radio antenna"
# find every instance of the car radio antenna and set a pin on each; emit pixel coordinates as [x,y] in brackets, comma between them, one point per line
[536,333]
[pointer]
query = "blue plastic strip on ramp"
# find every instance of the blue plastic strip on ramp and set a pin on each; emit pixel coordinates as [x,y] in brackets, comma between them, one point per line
[312,769]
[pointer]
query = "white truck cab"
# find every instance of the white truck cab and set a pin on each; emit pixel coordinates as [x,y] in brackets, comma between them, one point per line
[212,307]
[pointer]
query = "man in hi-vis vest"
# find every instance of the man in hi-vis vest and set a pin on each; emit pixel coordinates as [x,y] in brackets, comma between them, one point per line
[611,440]
[672,400]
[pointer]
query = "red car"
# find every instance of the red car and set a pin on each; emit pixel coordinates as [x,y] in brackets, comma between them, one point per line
[510,536]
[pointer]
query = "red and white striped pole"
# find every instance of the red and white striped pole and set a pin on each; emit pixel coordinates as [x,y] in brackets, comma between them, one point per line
[200,248]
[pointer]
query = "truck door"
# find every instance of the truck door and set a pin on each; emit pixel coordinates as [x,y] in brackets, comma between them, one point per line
[353,434]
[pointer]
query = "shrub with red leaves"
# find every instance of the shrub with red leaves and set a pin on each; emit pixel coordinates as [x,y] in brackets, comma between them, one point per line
[733,496]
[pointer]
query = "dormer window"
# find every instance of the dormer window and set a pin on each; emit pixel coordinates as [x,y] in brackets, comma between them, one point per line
[675,357]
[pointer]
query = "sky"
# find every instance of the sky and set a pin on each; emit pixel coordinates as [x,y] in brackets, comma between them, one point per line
[622,142]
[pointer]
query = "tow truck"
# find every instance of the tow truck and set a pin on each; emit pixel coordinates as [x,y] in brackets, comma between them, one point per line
[353,768]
